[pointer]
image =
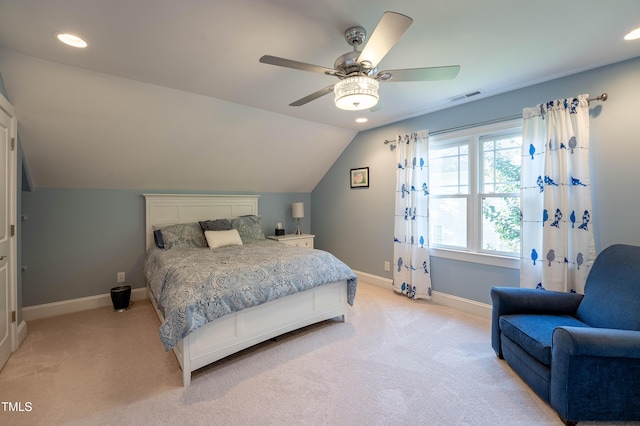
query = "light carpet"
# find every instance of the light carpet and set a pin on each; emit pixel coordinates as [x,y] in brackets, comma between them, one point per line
[395,362]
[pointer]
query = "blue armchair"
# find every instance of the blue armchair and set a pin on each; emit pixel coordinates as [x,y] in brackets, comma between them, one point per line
[580,354]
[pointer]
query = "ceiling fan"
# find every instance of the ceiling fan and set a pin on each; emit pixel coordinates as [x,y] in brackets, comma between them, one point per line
[357,70]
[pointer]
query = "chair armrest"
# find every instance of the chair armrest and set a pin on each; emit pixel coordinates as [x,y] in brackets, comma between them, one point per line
[515,300]
[595,373]
[597,342]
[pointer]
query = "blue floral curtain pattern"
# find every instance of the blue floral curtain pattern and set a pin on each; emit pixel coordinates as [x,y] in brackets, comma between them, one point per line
[411,232]
[557,233]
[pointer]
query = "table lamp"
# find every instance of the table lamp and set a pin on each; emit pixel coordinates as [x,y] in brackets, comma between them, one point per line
[297,211]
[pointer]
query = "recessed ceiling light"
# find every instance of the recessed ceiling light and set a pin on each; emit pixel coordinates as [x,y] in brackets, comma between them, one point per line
[71,40]
[633,35]
[361,120]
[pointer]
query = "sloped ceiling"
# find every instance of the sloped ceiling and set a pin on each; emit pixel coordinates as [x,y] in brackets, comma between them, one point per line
[170,94]
[82,129]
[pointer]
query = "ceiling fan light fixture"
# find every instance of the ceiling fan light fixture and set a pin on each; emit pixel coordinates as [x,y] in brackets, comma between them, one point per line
[356,93]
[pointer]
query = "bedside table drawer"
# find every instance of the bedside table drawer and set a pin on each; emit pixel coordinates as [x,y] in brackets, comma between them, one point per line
[304,240]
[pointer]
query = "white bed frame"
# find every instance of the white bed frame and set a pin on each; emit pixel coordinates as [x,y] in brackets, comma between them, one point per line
[240,330]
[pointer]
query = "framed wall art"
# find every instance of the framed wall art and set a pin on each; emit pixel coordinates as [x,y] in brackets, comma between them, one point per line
[359,178]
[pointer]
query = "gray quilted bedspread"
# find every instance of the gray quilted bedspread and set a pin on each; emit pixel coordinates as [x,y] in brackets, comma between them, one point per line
[193,286]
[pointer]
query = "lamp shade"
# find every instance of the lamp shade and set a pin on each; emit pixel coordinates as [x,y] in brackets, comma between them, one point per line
[297,210]
[356,93]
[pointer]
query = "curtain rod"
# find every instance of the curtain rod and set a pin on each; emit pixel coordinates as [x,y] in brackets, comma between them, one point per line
[602,98]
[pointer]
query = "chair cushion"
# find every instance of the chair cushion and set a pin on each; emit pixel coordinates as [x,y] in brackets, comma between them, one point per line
[533,333]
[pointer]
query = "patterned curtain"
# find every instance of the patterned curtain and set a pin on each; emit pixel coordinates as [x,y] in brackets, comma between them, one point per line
[557,231]
[411,233]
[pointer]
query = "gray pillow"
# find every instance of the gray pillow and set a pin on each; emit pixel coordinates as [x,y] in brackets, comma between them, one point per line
[215,225]
[183,235]
[249,227]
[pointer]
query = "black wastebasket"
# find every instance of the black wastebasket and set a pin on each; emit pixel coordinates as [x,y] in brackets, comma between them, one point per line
[120,297]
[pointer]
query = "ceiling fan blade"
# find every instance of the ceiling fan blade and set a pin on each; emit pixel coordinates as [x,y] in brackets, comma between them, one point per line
[387,33]
[313,96]
[420,74]
[288,63]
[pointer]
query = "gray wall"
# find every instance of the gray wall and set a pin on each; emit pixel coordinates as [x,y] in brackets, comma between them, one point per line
[357,224]
[76,240]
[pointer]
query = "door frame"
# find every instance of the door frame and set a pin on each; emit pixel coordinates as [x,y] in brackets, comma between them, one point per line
[12,215]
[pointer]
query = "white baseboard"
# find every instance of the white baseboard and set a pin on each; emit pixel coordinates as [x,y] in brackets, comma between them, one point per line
[444,299]
[47,310]
[465,305]
[374,279]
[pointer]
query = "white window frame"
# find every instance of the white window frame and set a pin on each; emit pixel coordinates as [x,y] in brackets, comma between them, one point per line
[473,252]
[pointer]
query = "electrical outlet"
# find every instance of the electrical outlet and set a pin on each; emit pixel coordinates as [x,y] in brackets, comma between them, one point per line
[120,277]
[387,266]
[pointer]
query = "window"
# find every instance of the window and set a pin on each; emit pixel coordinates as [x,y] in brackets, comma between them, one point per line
[474,181]
[449,182]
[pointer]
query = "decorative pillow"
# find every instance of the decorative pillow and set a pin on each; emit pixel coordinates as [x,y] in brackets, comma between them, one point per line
[249,227]
[215,225]
[157,238]
[183,235]
[217,239]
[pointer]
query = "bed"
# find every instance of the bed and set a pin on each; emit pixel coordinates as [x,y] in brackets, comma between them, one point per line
[221,335]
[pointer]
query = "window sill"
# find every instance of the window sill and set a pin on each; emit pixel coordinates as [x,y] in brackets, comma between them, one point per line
[483,258]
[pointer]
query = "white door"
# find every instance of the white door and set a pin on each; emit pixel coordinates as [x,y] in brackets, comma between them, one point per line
[6,291]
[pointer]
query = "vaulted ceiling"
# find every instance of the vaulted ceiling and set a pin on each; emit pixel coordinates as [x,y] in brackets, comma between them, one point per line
[170,94]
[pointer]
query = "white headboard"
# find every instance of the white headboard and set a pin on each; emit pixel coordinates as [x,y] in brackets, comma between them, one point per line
[167,209]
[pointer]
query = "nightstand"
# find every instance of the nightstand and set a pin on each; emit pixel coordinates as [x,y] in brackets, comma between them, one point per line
[303,240]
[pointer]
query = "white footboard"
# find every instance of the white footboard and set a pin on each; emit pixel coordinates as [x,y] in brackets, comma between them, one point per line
[235,332]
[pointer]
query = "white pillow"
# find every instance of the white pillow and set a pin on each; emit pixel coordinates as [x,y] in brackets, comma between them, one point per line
[217,239]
